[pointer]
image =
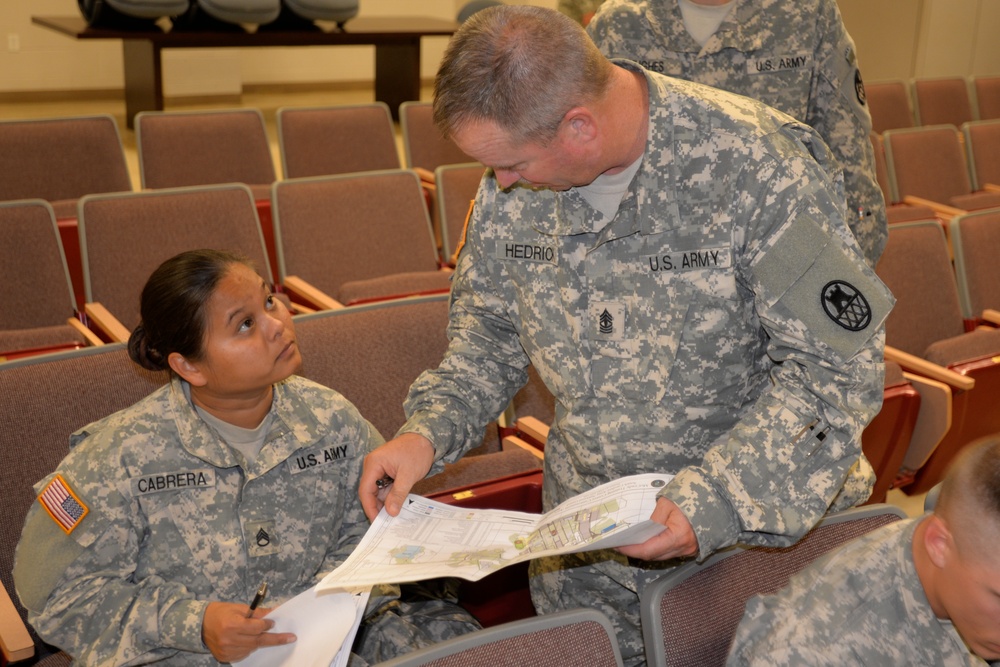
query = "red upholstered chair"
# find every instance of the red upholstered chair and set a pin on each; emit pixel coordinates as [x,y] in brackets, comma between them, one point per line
[982,145]
[927,166]
[889,105]
[943,101]
[50,397]
[575,638]
[987,90]
[457,185]
[976,242]
[322,141]
[354,238]
[186,148]
[37,307]
[895,212]
[124,237]
[926,335]
[689,616]
[372,354]
[60,160]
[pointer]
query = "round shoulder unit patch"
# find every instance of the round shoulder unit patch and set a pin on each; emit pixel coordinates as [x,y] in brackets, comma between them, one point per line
[846,306]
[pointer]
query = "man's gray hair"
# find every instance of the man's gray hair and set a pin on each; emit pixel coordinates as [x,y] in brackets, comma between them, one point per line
[519,67]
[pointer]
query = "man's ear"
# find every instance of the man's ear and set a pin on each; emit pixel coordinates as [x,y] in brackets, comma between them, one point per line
[939,541]
[186,369]
[580,124]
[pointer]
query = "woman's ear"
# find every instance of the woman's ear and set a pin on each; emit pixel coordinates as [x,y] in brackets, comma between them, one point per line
[188,370]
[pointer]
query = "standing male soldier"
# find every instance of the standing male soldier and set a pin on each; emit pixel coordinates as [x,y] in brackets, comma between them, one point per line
[795,56]
[675,263]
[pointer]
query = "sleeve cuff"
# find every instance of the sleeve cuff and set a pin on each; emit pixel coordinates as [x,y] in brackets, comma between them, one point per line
[711,517]
[440,431]
[180,627]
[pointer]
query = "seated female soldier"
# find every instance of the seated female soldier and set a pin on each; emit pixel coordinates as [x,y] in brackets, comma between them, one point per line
[193,496]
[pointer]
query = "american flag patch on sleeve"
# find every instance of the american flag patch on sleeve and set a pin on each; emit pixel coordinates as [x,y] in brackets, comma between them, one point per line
[62,504]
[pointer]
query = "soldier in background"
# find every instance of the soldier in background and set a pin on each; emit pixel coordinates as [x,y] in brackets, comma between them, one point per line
[795,56]
[155,531]
[924,591]
[674,262]
[580,11]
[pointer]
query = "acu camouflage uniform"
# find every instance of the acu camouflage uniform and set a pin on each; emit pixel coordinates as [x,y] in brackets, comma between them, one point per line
[176,519]
[862,605]
[794,56]
[686,335]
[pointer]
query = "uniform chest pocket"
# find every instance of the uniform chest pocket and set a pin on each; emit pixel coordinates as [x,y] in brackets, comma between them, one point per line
[183,527]
[781,80]
[633,345]
[689,345]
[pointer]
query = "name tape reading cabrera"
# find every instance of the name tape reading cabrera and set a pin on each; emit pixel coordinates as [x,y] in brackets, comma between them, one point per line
[172,481]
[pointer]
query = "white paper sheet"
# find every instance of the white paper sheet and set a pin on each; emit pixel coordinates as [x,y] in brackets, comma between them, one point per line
[324,622]
[430,539]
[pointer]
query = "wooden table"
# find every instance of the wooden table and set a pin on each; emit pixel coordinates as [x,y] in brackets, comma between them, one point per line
[396,41]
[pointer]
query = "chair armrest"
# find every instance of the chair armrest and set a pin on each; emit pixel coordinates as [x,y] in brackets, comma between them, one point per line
[313,295]
[933,419]
[90,336]
[514,442]
[532,429]
[915,364]
[15,641]
[106,322]
[943,211]
[991,187]
[426,176]
[991,316]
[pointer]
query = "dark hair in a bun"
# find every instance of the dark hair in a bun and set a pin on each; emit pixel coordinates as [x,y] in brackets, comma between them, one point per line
[172,307]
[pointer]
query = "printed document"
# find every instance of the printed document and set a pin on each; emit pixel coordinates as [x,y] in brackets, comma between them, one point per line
[324,624]
[430,539]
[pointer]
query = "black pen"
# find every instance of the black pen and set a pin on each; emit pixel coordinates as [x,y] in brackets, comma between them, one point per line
[384,482]
[258,598]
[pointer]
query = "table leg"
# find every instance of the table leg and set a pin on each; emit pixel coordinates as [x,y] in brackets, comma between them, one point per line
[143,78]
[397,74]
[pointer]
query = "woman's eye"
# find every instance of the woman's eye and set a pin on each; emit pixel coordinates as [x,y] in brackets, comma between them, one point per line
[246,324]
[269,301]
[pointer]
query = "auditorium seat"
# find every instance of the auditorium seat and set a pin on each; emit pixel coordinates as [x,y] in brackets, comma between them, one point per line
[987,90]
[457,185]
[187,148]
[942,101]
[889,105]
[372,354]
[353,238]
[574,638]
[37,306]
[895,212]
[926,335]
[975,238]
[690,615]
[927,166]
[60,160]
[124,237]
[322,141]
[982,145]
[46,398]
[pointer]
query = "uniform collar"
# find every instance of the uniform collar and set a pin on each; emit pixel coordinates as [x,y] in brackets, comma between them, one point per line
[292,428]
[656,178]
[740,30]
